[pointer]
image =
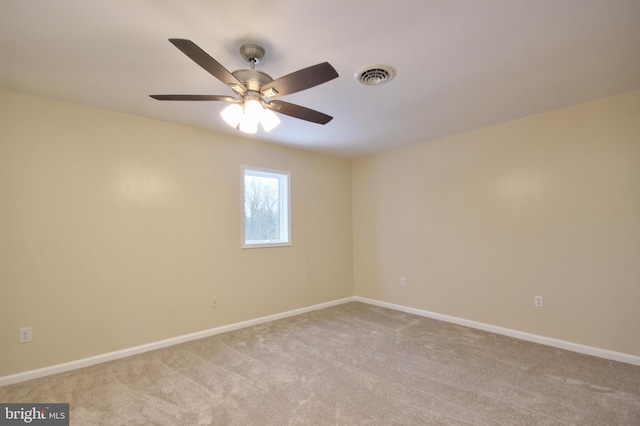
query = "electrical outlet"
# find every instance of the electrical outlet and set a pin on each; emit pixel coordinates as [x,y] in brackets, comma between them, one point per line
[25,335]
[538,301]
[403,281]
[214,302]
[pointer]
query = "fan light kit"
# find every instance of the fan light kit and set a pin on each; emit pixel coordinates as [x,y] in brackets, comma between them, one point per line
[254,106]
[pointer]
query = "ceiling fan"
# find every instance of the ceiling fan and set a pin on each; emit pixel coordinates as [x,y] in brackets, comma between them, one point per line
[256,89]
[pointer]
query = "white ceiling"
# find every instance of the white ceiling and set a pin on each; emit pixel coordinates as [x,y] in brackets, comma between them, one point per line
[461,64]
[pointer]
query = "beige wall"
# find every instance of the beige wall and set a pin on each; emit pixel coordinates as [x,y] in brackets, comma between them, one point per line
[116,231]
[480,222]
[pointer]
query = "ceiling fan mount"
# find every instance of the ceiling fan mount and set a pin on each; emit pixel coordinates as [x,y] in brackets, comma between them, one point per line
[254,85]
[252,53]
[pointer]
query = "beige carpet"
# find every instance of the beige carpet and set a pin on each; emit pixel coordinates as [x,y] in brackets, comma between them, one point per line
[352,364]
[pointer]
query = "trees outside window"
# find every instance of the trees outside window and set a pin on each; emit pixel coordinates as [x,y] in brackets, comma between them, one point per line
[266,207]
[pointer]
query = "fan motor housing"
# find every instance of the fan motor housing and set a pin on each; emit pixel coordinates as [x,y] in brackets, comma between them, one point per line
[252,79]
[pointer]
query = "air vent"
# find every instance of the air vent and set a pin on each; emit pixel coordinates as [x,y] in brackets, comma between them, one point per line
[375,75]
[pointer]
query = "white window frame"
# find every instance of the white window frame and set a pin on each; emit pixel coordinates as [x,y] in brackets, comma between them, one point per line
[284,196]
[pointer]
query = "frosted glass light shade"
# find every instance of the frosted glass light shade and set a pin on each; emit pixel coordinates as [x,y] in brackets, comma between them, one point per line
[269,120]
[251,118]
[247,125]
[232,114]
[253,110]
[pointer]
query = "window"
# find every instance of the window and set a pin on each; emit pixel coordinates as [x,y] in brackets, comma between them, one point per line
[266,208]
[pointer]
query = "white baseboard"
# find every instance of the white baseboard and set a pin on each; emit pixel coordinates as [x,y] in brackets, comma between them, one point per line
[561,344]
[98,359]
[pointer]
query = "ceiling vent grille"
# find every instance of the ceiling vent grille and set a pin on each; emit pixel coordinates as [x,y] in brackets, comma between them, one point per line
[375,75]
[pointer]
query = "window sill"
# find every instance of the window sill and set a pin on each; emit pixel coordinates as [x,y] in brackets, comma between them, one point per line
[266,244]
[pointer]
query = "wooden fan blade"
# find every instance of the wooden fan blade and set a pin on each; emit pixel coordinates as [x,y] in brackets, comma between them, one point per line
[300,80]
[193,98]
[300,112]
[203,59]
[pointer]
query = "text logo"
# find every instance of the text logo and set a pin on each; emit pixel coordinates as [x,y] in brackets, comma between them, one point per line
[34,414]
